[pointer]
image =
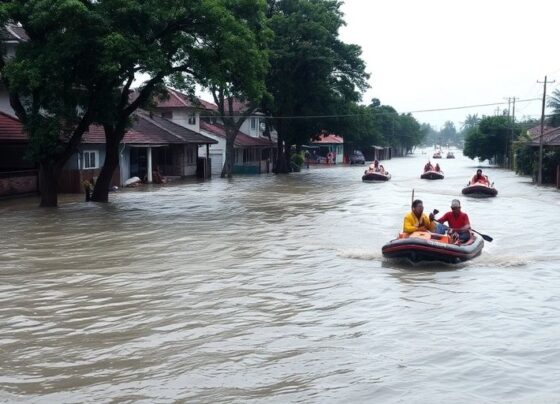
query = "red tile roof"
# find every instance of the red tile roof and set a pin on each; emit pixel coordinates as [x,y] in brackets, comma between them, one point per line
[329,139]
[241,140]
[178,99]
[551,136]
[11,129]
[147,130]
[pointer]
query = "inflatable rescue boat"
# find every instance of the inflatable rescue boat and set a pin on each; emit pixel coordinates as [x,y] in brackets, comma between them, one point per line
[425,246]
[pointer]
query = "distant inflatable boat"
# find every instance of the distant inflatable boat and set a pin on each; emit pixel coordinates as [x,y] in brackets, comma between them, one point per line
[376,177]
[432,175]
[480,189]
[425,246]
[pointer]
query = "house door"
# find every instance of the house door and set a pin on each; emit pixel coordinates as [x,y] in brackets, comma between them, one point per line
[217,163]
[138,162]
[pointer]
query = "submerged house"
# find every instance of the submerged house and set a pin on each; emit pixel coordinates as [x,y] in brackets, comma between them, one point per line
[326,148]
[253,155]
[152,142]
[254,152]
[18,176]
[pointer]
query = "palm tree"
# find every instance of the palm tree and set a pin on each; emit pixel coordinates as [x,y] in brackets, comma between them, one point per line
[470,121]
[554,103]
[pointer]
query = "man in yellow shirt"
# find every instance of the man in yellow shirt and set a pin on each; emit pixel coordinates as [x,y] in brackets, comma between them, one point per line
[417,220]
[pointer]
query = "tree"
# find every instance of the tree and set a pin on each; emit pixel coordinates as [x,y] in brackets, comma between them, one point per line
[81,60]
[448,134]
[312,73]
[162,39]
[554,103]
[490,139]
[410,132]
[431,136]
[359,128]
[233,66]
[50,82]
[470,122]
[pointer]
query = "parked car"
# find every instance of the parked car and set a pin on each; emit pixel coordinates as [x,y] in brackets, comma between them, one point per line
[357,158]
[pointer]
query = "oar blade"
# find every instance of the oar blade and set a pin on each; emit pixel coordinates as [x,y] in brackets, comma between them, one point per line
[487,238]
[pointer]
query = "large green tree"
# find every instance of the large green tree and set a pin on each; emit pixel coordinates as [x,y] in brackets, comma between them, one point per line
[232,66]
[491,139]
[312,73]
[51,81]
[164,40]
[448,134]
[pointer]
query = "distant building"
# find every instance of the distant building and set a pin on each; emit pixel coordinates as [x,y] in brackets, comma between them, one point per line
[326,149]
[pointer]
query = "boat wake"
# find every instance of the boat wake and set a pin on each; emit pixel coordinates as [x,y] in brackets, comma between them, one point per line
[501,261]
[366,255]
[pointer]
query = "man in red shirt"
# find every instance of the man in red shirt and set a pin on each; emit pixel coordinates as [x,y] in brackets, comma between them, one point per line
[458,221]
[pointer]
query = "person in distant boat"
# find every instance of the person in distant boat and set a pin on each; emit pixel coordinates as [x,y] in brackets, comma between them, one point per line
[417,220]
[479,178]
[457,220]
[438,168]
[428,167]
[381,170]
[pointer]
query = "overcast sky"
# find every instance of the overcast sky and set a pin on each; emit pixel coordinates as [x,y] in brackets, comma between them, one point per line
[447,53]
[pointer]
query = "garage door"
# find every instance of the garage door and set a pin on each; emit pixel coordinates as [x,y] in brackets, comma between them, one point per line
[217,163]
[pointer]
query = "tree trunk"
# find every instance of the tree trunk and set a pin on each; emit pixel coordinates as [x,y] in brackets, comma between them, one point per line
[281,162]
[101,189]
[48,185]
[227,170]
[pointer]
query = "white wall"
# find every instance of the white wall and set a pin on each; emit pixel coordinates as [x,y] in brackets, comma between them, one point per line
[253,131]
[219,148]
[181,117]
[189,169]
[5,101]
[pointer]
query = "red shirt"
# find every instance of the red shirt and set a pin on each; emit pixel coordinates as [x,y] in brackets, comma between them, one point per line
[455,222]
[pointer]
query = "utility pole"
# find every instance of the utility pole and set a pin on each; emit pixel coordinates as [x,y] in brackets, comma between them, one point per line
[539,180]
[507,154]
[512,132]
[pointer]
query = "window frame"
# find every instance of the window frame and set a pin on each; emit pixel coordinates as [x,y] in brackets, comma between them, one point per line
[86,160]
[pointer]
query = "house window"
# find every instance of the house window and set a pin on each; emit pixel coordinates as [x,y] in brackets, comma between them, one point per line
[192,119]
[249,156]
[253,123]
[90,160]
[167,114]
[190,155]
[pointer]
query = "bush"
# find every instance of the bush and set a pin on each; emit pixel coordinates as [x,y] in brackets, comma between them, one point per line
[298,159]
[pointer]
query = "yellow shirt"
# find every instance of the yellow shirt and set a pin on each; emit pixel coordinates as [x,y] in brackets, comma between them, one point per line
[412,223]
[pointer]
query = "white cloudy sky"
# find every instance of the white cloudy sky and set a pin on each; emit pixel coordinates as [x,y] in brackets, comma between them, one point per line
[446,53]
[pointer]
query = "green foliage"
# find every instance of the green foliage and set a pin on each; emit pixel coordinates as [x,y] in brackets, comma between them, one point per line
[525,157]
[554,103]
[52,71]
[312,72]
[490,138]
[234,61]
[298,159]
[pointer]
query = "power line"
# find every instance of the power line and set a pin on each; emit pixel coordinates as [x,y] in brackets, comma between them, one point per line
[376,113]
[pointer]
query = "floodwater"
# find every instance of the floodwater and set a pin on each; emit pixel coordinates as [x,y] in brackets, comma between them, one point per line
[273,289]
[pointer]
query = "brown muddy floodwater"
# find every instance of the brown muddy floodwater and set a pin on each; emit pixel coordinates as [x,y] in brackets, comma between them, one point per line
[273,289]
